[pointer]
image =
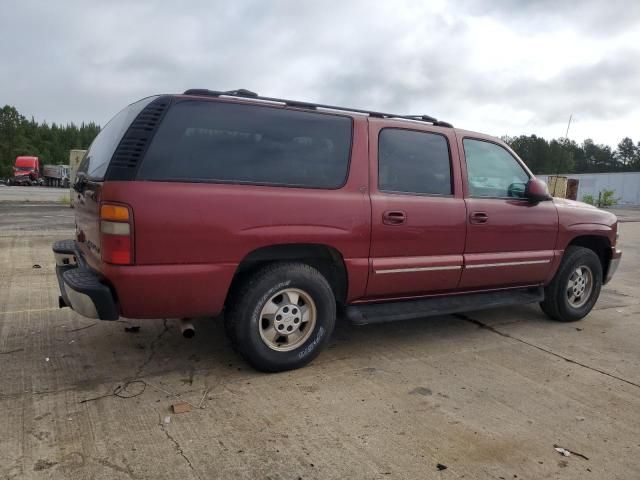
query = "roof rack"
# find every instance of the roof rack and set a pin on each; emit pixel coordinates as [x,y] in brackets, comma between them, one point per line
[243,93]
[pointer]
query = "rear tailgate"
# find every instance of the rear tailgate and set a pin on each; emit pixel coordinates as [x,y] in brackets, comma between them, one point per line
[87,209]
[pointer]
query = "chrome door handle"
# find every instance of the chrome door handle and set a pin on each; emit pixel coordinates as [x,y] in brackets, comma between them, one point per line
[478,217]
[394,217]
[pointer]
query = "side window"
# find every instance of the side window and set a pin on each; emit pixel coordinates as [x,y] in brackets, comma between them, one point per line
[413,162]
[205,141]
[492,171]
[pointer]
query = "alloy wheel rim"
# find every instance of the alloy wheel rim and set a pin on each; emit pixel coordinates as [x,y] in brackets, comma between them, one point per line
[579,286]
[287,319]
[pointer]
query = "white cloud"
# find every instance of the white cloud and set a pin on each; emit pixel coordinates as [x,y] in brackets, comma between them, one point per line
[485,66]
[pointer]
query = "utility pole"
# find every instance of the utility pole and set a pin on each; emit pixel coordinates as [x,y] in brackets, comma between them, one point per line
[566,135]
[566,138]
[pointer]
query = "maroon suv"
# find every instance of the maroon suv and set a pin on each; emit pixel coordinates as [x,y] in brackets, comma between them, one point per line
[279,213]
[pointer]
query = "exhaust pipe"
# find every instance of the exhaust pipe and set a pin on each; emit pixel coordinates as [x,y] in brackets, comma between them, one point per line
[61,302]
[187,328]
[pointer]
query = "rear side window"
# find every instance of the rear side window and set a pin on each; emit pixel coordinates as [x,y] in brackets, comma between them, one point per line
[96,160]
[206,141]
[413,162]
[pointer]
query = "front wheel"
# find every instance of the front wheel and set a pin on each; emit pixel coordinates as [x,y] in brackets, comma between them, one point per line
[281,317]
[576,286]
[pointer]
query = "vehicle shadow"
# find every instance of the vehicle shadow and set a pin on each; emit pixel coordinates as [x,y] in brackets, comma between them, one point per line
[108,353]
[89,355]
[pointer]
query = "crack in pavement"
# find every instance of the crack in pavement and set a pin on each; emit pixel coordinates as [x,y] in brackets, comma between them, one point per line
[550,352]
[152,347]
[126,470]
[178,448]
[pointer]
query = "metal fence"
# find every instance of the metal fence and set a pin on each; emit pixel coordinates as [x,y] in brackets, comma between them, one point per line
[626,185]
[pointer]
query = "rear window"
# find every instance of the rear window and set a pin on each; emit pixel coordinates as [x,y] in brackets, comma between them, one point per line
[205,141]
[98,156]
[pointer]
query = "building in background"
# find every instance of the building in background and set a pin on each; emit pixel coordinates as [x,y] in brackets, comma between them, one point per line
[626,185]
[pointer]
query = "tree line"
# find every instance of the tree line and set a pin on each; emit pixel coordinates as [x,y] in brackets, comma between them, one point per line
[51,143]
[568,156]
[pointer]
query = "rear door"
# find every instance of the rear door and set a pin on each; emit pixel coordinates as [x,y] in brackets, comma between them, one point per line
[510,241]
[418,211]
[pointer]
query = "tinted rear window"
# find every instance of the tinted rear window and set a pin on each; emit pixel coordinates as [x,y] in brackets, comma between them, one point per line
[413,162]
[98,156]
[225,142]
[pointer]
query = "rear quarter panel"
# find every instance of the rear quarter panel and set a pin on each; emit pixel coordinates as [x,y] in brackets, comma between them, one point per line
[190,237]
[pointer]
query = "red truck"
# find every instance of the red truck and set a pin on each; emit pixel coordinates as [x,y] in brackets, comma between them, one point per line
[278,214]
[26,171]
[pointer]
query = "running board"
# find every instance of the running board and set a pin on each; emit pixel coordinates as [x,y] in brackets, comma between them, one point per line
[428,307]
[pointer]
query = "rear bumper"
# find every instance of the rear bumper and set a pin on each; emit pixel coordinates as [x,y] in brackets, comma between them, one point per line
[80,287]
[140,291]
[616,255]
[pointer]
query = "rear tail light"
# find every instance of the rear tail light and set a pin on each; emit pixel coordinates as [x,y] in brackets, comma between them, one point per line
[116,232]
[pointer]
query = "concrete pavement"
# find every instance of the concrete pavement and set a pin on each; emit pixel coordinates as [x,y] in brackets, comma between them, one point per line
[33,194]
[486,394]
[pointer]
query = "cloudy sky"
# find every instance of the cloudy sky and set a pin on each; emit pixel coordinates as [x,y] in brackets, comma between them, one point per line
[496,66]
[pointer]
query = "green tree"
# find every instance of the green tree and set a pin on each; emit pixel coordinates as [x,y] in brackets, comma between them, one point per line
[600,158]
[566,156]
[533,150]
[51,143]
[561,156]
[627,152]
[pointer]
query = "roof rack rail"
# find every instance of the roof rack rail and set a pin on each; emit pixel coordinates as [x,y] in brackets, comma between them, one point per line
[426,118]
[244,93]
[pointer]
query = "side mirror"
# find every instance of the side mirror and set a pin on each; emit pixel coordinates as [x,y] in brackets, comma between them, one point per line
[517,190]
[536,191]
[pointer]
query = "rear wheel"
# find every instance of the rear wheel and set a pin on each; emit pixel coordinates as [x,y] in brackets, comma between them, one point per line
[281,317]
[576,287]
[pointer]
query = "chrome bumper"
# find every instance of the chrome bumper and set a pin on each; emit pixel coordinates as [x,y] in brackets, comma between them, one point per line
[616,255]
[80,287]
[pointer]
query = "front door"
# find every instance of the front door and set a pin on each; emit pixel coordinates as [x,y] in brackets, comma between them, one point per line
[418,212]
[510,240]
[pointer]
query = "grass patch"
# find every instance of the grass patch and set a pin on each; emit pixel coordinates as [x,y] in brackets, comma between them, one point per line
[64,199]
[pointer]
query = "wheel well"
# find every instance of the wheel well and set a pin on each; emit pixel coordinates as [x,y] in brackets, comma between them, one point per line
[600,245]
[327,260]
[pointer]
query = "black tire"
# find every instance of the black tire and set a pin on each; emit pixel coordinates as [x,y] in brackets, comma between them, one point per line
[243,322]
[556,302]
